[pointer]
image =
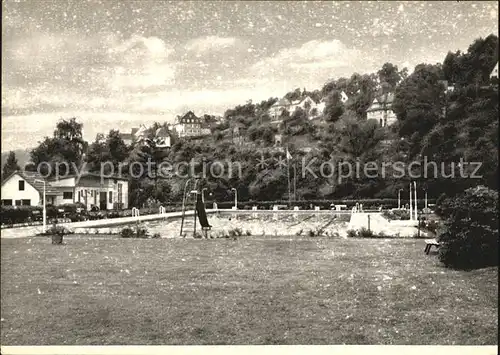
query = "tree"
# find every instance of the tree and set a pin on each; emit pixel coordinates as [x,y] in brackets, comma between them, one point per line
[334,107]
[470,234]
[65,148]
[11,165]
[391,75]
[418,104]
[110,149]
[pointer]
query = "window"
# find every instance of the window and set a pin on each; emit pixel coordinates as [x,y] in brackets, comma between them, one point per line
[21,185]
[111,197]
[25,202]
[18,202]
[120,193]
[67,195]
[6,202]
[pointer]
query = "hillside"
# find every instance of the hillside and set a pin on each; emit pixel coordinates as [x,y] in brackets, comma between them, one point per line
[22,155]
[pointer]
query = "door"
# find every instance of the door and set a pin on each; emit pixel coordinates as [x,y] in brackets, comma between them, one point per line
[102,201]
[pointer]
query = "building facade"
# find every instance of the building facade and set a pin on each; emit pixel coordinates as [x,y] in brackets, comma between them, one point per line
[306,103]
[190,125]
[26,189]
[381,110]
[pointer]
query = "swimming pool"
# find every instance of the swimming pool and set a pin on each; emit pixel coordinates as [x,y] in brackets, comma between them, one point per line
[254,223]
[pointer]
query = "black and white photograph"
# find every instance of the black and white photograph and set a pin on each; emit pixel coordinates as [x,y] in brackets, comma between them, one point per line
[210,174]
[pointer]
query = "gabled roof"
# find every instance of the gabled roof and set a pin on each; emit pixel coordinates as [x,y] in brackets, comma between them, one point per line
[381,102]
[494,71]
[32,179]
[282,102]
[162,132]
[141,130]
[89,174]
[187,116]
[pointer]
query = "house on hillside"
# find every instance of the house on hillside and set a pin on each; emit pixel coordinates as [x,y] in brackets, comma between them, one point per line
[448,87]
[306,103]
[381,110]
[162,138]
[24,188]
[343,97]
[136,134]
[494,75]
[318,110]
[190,125]
[494,72]
[279,106]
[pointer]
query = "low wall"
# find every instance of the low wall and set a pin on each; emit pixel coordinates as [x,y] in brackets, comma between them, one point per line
[378,224]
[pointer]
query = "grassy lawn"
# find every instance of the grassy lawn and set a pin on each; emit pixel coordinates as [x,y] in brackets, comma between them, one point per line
[250,291]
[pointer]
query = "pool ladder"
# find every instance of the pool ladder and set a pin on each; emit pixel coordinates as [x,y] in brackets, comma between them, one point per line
[190,194]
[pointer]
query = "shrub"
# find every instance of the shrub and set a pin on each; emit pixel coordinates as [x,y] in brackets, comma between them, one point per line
[299,233]
[156,236]
[57,233]
[137,232]
[248,233]
[469,238]
[127,232]
[365,233]
[197,236]
[351,233]
[396,215]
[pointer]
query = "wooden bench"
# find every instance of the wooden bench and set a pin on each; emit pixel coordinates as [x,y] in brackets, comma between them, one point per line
[429,243]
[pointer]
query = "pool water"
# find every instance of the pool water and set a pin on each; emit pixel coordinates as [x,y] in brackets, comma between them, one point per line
[253,224]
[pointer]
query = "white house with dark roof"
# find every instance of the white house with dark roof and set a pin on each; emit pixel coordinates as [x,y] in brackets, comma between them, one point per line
[381,110]
[190,125]
[135,135]
[305,103]
[23,188]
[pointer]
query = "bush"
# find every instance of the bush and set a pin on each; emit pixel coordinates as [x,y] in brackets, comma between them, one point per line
[137,232]
[365,233]
[57,233]
[469,239]
[20,214]
[127,232]
[351,233]
[397,215]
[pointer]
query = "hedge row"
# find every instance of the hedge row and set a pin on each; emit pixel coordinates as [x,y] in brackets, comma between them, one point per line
[323,204]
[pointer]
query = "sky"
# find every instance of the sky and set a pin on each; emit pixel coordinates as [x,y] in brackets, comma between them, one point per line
[115,64]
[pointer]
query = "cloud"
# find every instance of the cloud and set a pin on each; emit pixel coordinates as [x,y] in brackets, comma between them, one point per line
[310,64]
[206,44]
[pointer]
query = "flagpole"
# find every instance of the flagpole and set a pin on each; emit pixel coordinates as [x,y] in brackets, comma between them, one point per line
[288,170]
[294,180]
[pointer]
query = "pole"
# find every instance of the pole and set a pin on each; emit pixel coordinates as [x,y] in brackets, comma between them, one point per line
[288,175]
[194,231]
[399,199]
[411,205]
[44,209]
[236,198]
[295,181]
[416,201]
[426,200]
